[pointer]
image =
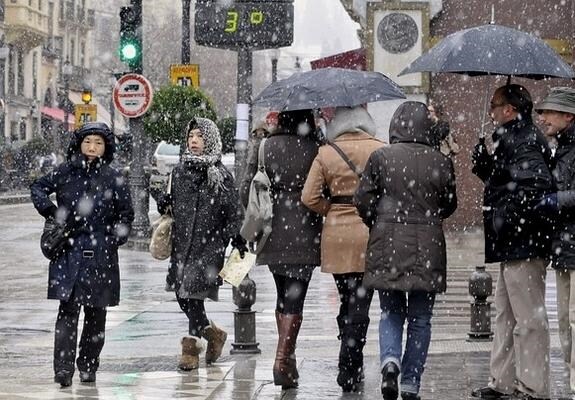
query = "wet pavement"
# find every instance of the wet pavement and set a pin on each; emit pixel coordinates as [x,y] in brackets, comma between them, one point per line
[139,360]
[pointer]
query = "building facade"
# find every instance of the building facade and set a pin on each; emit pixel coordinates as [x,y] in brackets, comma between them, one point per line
[48,46]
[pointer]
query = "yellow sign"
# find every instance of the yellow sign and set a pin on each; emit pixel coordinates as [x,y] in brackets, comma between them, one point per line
[85,113]
[185,75]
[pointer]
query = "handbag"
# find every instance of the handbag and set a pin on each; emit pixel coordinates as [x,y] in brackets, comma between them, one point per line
[257,224]
[161,240]
[54,239]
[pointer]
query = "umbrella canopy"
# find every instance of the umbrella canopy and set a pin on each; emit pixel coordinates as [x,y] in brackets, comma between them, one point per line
[493,50]
[328,87]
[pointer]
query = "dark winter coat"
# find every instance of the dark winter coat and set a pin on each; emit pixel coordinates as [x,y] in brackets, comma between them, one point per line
[405,192]
[204,223]
[296,230]
[97,197]
[516,175]
[563,246]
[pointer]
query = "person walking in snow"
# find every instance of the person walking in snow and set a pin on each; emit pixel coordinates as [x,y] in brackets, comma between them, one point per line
[406,191]
[344,236]
[93,202]
[206,212]
[292,251]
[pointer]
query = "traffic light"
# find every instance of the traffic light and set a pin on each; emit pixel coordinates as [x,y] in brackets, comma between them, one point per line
[131,37]
[87,95]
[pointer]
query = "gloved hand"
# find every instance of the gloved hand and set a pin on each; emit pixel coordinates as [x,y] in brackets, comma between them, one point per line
[549,204]
[239,243]
[480,155]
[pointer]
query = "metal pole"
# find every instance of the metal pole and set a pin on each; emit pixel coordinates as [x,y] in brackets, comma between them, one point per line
[186,31]
[138,180]
[243,112]
[274,69]
[245,294]
[66,116]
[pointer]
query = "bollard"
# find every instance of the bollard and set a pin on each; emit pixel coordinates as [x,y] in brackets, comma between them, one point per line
[244,297]
[480,287]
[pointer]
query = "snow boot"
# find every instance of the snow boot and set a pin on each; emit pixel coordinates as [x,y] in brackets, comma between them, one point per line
[191,349]
[216,338]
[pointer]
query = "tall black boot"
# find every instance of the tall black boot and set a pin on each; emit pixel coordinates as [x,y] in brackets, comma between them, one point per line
[351,353]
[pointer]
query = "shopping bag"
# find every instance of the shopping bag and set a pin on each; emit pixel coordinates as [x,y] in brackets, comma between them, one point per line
[236,268]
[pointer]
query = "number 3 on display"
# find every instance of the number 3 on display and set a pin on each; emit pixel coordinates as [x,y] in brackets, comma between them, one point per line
[232,22]
[256,18]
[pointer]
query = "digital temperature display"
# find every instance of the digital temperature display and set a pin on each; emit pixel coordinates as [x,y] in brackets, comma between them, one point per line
[253,25]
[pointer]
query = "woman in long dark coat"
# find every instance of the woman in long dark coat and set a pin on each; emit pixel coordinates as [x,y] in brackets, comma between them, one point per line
[205,206]
[94,202]
[405,193]
[292,250]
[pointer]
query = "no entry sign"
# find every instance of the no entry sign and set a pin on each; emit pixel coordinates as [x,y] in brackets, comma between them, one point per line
[132,95]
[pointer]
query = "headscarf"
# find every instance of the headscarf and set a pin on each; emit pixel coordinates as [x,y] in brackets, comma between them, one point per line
[211,155]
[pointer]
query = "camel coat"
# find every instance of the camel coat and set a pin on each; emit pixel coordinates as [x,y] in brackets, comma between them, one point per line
[344,236]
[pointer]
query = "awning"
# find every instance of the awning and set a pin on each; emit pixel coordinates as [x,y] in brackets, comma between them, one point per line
[103,113]
[58,115]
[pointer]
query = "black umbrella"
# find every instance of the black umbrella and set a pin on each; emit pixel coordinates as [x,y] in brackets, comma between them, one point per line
[493,50]
[328,87]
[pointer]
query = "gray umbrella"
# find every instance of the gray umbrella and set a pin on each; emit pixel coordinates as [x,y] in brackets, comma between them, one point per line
[328,87]
[493,50]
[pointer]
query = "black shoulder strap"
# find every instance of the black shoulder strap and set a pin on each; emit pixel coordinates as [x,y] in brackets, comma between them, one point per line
[345,158]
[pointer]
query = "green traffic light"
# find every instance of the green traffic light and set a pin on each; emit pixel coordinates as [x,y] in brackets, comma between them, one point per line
[129,51]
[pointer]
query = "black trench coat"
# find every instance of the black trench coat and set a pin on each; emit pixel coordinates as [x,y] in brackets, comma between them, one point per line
[99,197]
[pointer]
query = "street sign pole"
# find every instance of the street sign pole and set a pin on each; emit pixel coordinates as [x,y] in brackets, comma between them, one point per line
[243,112]
[138,182]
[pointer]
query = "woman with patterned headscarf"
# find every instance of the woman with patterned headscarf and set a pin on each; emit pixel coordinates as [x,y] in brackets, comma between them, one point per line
[205,206]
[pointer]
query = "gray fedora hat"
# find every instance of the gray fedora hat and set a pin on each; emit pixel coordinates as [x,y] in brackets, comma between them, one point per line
[559,99]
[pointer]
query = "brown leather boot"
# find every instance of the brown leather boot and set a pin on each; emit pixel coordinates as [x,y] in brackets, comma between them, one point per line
[191,349]
[216,338]
[285,366]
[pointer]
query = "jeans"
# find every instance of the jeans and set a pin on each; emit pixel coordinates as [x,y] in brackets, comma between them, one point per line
[397,306]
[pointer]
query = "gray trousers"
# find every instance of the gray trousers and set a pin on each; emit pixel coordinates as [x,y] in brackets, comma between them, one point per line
[520,353]
[566,316]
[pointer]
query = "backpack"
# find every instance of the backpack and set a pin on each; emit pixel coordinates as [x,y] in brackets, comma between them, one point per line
[257,225]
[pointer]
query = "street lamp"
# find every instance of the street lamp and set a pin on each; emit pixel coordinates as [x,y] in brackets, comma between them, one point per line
[275,53]
[67,71]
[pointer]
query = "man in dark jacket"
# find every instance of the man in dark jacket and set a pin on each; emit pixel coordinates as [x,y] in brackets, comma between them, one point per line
[557,115]
[515,175]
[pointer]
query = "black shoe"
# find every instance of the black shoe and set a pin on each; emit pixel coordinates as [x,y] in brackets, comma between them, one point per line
[349,379]
[525,396]
[409,396]
[87,377]
[389,386]
[489,394]
[64,378]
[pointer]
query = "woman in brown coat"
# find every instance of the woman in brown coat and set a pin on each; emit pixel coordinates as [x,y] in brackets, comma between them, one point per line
[344,236]
[405,193]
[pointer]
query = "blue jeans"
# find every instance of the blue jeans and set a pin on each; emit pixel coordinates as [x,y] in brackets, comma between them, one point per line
[417,308]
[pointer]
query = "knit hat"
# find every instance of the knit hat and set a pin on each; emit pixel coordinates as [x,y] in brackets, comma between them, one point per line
[559,99]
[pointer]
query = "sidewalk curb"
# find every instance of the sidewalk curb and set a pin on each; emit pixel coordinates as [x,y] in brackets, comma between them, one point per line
[15,199]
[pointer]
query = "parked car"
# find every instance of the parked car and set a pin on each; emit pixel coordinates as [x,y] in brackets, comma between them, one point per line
[167,156]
